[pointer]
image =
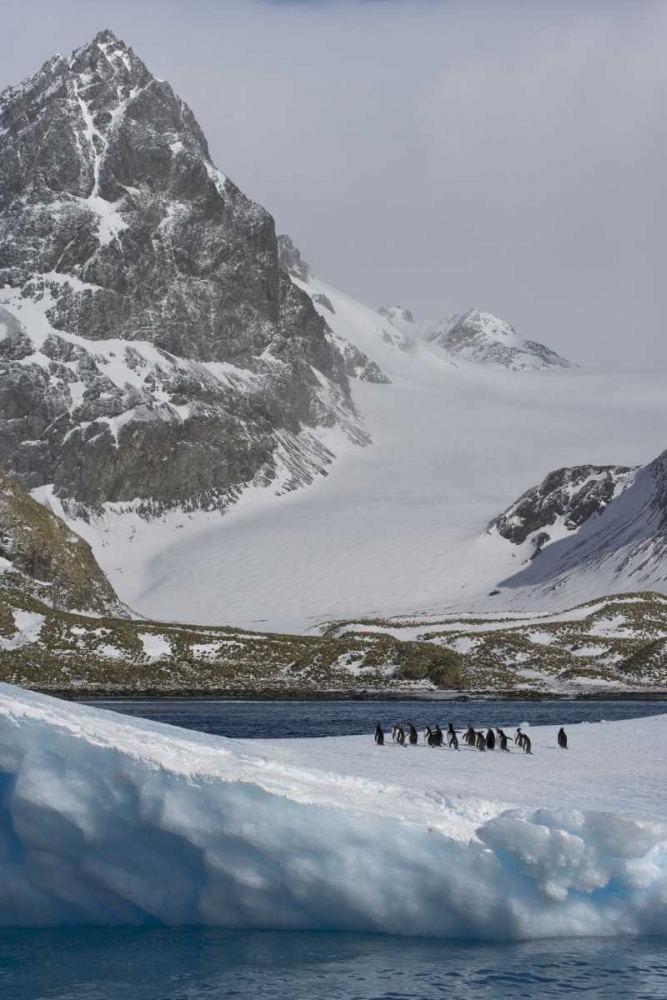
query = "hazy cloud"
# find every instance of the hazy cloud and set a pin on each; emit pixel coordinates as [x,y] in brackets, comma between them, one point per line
[504,154]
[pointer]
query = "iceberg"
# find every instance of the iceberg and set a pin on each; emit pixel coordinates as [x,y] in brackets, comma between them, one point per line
[111,820]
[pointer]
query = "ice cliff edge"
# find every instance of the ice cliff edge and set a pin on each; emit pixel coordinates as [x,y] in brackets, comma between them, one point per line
[110,820]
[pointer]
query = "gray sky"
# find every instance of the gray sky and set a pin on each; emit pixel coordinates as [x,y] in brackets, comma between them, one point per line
[504,154]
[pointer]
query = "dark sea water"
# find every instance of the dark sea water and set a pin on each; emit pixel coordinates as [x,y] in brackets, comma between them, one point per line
[197,964]
[272,719]
[205,964]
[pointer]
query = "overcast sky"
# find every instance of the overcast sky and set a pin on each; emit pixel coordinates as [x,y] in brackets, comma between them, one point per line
[507,154]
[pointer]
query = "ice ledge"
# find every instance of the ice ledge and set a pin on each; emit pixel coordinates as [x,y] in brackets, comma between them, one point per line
[106,820]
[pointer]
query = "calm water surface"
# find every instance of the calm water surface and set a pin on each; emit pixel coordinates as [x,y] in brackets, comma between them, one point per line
[271,719]
[194,964]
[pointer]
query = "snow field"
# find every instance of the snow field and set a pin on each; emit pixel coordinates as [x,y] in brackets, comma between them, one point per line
[400,526]
[112,820]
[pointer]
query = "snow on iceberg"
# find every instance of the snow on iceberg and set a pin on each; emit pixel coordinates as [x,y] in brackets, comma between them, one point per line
[111,820]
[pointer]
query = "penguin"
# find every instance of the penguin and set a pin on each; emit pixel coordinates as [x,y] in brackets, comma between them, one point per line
[470,736]
[379,735]
[413,735]
[526,744]
[453,740]
[429,737]
[562,738]
[518,738]
[503,737]
[481,742]
[400,735]
[490,740]
[439,738]
[394,731]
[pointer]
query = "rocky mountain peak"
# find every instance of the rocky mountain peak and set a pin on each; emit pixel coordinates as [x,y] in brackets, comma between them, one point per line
[484,338]
[144,294]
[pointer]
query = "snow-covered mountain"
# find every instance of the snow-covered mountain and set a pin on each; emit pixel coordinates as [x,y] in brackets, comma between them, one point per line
[163,354]
[152,351]
[486,339]
[561,503]
[622,547]
[399,527]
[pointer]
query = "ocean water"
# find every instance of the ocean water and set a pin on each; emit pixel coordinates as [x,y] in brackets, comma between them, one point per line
[292,719]
[199,964]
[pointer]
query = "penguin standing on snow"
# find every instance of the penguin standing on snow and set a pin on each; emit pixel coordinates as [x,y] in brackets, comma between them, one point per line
[379,735]
[400,735]
[452,738]
[394,732]
[413,735]
[490,740]
[562,738]
[481,742]
[519,738]
[439,738]
[470,736]
[429,737]
[503,737]
[526,744]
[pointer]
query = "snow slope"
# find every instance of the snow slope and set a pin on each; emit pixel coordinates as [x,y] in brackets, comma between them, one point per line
[399,526]
[112,820]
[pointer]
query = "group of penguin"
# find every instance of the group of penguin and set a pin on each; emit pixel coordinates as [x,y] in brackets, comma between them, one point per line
[434,737]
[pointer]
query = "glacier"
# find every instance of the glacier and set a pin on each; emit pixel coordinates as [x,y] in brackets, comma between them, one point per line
[111,820]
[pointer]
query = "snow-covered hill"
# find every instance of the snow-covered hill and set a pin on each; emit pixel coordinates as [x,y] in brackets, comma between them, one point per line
[625,545]
[486,339]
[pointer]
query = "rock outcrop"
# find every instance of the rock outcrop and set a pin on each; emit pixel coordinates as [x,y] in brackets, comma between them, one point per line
[567,498]
[42,559]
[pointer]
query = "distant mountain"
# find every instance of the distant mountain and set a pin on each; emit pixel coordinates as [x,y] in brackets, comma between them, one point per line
[153,352]
[485,339]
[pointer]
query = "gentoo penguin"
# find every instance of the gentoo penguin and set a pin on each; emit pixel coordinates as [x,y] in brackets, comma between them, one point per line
[562,738]
[490,740]
[379,735]
[526,744]
[518,738]
[470,736]
[400,735]
[413,735]
[481,741]
[439,738]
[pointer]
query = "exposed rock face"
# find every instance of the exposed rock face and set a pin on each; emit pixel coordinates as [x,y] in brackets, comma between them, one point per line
[397,314]
[290,259]
[153,350]
[356,363]
[483,338]
[41,557]
[568,496]
[624,547]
